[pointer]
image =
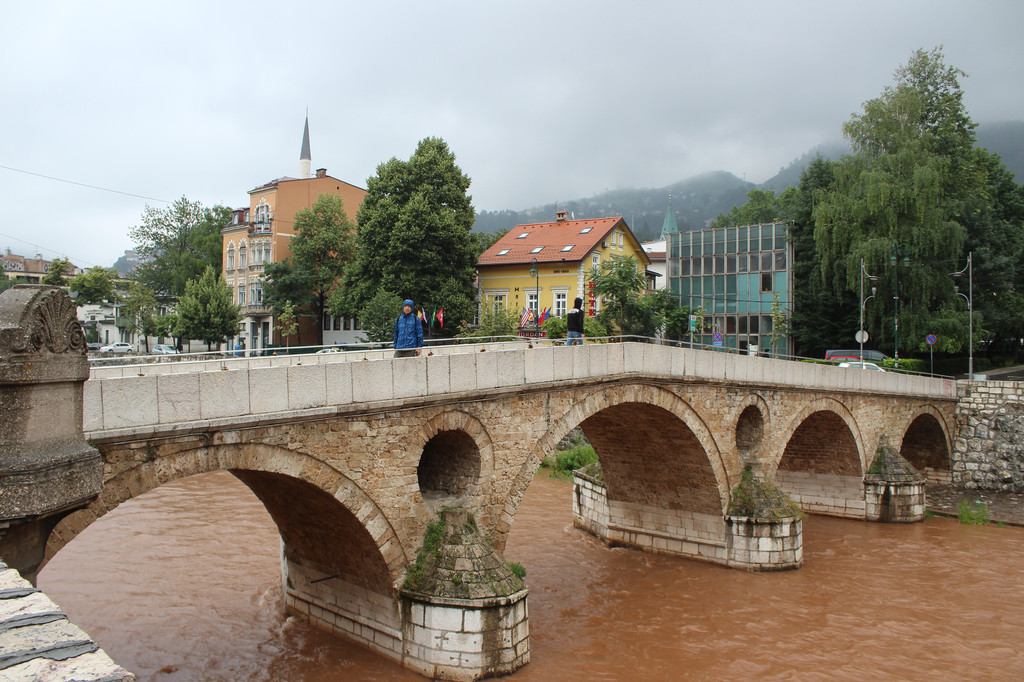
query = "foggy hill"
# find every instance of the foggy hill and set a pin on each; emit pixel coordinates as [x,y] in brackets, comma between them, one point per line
[700,199]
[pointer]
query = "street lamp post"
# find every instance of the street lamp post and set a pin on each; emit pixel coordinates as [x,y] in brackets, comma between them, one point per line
[860,332]
[969,269]
[536,315]
[897,250]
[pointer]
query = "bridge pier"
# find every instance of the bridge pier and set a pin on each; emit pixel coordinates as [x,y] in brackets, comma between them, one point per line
[760,537]
[893,488]
[459,615]
[47,469]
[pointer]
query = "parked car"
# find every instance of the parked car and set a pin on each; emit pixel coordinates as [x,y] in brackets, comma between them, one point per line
[94,346]
[850,355]
[862,365]
[163,349]
[328,350]
[117,347]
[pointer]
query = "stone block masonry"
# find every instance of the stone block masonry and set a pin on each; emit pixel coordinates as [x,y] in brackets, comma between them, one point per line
[988,451]
[37,642]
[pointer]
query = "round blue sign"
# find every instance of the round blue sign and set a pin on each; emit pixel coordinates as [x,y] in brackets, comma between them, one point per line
[718,336]
[931,339]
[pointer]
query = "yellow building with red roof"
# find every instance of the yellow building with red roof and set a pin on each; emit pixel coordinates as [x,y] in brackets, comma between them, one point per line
[544,266]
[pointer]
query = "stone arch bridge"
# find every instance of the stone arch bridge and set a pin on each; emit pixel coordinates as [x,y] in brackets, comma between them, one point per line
[354,454]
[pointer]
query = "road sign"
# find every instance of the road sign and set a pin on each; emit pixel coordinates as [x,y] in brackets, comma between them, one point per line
[718,338]
[861,336]
[693,323]
[931,339]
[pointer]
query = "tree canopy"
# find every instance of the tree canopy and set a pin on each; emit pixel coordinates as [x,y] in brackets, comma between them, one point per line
[57,274]
[414,236]
[95,286]
[177,244]
[206,311]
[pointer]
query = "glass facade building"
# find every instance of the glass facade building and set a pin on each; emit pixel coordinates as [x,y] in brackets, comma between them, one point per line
[735,274]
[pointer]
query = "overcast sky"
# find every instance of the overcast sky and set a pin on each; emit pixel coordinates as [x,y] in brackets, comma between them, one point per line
[539,101]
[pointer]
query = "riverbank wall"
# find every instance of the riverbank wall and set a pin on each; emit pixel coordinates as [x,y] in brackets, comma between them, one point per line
[988,451]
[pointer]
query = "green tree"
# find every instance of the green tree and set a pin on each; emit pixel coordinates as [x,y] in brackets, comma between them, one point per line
[287,322]
[56,275]
[761,207]
[495,321]
[901,194]
[620,282]
[206,311]
[780,325]
[485,240]
[6,283]
[177,244]
[139,309]
[414,234]
[95,286]
[377,318]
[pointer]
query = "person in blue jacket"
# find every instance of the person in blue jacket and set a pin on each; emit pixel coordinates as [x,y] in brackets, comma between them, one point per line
[408,332]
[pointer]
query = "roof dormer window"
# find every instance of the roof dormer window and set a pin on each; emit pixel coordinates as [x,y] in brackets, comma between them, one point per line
[586,229]
[524,235]
[568,247]
[503,252]
[537,250]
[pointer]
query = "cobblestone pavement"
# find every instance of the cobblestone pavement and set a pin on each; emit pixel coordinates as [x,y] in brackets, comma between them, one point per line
[1005,507]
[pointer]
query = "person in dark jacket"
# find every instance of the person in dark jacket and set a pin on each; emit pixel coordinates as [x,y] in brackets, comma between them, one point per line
[408,332]
[574,321]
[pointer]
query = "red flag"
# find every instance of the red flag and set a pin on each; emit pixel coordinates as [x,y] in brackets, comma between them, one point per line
[440,317]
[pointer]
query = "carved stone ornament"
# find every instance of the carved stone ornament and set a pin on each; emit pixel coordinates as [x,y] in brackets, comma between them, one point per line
[47,321]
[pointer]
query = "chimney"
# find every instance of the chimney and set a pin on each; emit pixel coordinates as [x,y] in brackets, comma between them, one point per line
[560,216]
[321,172]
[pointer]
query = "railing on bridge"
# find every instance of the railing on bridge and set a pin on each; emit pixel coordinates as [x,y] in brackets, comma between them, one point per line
[167,393]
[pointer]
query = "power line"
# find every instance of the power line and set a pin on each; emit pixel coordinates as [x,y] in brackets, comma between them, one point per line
[82,184]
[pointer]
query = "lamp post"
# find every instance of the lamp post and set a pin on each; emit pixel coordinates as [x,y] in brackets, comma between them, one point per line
[536,273]
[897,251]
[861,334]
[969,269]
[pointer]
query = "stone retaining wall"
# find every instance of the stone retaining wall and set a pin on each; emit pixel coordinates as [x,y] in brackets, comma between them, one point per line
[824,493]
[988,451]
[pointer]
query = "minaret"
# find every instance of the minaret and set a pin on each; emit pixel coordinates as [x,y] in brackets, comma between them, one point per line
[305,158]
[669,226]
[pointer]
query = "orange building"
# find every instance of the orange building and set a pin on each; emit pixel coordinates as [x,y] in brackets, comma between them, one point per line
[260,234]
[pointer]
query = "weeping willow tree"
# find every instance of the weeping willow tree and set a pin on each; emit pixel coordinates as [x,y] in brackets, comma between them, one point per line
[897,203]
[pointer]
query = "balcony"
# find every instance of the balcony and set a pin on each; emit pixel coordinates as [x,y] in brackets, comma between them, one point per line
[257,310]
[260,227]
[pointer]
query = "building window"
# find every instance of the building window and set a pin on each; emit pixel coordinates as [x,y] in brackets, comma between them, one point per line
[531,301]
[327,323]
[503,252]
[337,324]
[568,247]
[620,240]
[241,256]
[537,250]
[766,282]
[586,229]
[524,235]
[498,300]
[596,261]
[561,297]
[230,259]
[241,294]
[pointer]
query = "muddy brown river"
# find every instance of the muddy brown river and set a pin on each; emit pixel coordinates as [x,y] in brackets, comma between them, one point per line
[183,583]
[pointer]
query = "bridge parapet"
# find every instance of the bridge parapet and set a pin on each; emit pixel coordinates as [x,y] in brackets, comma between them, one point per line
[180,393]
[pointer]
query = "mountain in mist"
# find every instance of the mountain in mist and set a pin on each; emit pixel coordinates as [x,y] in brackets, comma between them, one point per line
[700,199]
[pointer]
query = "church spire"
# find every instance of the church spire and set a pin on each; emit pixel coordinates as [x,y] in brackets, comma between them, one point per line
[669,226]
[305,158]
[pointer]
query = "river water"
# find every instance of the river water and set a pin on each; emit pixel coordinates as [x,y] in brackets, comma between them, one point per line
[183,583]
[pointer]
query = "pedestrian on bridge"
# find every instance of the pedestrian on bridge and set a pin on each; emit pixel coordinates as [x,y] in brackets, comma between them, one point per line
[408,332]
[574,324]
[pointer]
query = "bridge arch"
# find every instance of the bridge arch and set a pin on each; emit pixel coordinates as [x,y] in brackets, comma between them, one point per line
[655,416]
[927,444]
[753,422]
[456,464]
[322,516]
[820,460]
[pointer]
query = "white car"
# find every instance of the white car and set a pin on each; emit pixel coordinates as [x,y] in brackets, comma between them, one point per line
[117,347]
[862,365]
[328,350]
[164,349]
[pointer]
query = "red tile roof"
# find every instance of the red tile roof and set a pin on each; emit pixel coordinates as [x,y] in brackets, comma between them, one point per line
[553,237]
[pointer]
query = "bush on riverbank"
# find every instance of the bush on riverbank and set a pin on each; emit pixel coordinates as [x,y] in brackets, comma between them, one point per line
[579,453]
[972,514]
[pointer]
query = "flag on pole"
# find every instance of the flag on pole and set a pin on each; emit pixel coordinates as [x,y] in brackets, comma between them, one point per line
[432,316]
[419,314]
[526,318]
[440,316]
[543,316]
